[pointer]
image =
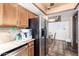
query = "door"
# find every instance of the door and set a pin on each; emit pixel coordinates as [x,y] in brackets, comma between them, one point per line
[75,32]
[43,37]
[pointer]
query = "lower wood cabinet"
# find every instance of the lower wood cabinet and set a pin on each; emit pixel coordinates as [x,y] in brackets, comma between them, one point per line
[31,49]
[27,50]
[23,52]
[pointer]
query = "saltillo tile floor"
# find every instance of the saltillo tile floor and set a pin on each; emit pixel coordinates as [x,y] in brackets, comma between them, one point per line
[60,48]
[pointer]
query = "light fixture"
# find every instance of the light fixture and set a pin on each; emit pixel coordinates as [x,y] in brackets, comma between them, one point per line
[50,5]
[51,20]
[46,17]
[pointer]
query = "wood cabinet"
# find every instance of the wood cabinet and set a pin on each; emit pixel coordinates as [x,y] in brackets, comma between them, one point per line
[1,14]
[23,17]
[31,48]
[15,15]
[26,50]
[31,15]
[10,14]
[23,51]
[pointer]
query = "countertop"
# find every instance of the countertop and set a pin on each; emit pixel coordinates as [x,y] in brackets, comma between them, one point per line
[12,44]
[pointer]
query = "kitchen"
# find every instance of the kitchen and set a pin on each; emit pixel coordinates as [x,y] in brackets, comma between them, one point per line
[24,28]
[15,39]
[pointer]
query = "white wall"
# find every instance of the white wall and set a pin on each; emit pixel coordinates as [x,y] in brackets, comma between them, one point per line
[61,29]
[66,17]
[7,34]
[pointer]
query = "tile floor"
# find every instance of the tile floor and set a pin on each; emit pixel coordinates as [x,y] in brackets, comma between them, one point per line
[60,48]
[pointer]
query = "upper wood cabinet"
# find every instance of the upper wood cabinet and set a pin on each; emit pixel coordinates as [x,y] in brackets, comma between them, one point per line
[23,17]
[31,15]
[10,14]
[1,14]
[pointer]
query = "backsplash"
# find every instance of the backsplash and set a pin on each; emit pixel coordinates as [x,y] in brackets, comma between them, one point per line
[12,31]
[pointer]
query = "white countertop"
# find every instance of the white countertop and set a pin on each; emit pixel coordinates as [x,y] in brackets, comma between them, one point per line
[11,45]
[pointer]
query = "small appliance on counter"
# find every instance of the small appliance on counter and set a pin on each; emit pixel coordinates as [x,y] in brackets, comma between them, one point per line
[24,34]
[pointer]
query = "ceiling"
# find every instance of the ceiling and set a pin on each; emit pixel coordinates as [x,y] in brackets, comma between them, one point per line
[47,5]
[56,7]
[31,8]
[41,8]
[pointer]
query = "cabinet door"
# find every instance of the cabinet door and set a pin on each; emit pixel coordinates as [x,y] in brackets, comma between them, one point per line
[1,14]
[22,52]
[23,17]
[31,50]
[10,14]
[31,15]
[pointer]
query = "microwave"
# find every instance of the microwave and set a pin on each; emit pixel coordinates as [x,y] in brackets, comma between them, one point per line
[24,34]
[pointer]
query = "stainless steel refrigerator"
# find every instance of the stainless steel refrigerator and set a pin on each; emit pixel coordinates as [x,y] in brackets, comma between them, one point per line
[39,34]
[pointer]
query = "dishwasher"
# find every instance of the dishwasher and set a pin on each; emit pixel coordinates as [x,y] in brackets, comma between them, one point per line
[23,51]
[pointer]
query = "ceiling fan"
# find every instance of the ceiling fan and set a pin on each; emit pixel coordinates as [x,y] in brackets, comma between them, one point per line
[50,5]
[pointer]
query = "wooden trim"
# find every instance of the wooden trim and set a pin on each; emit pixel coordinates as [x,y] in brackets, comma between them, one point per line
[39,8]
[76,6]
[56,12]
[60,12]
[32,13]
[26,9]
[8,26]
[65,10]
